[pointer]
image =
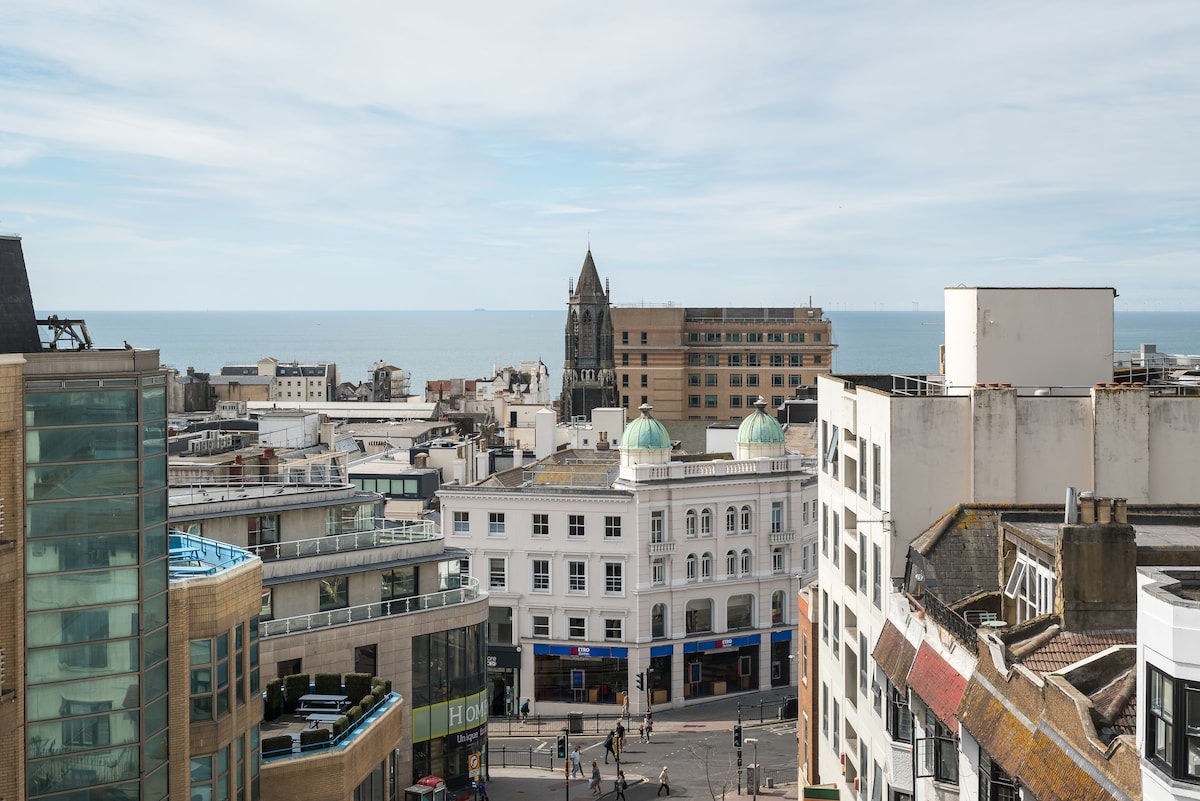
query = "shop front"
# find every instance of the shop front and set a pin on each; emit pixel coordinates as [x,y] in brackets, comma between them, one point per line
[717,667]
[658,675]
[580,674]
[781,663]
[503,677]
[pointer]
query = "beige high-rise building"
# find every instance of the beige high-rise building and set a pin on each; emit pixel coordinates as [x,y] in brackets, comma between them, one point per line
[713,363]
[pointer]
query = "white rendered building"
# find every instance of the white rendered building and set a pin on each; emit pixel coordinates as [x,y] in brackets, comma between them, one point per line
[1025,409]
[602,567]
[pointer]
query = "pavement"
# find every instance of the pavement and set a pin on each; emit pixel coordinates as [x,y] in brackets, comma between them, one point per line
[537,784]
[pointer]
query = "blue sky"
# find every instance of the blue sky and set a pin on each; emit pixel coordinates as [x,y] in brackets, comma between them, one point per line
[293,154]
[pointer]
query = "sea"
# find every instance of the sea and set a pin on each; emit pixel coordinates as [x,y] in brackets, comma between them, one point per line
[473,344]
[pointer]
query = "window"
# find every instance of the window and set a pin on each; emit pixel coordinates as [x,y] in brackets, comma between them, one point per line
[263,530]
[825,530]
[824,616]
[462,522]
[734,360]
[643,340]
[735,401]
[699,615]
[706,523]
[496,523]
[710,379]
[837,539]
[497,573]
[732,337]
[739,612]
[656,526]
[835,628]
[710,401]
[862,563]
[877,587]
[693,360]
[624,359]
[643,380]
[614,628]
[658,571]
[689,524]
[804,657]
[706,566]
[397,584]
[576,576]
[994,783]
[711,360]
[776,401]
[777,560]
[754,337]
[541,575]
[863,450]
[744,520]
[624,337]
[575,525]
[735,380]
[577,628]
[614,578]
[500,625]
[658,621]
[644,360]
[776,517]
[937,751]
[795,360]
[824,710]
[691,566]
[730,520]
[747,561]
[776,360]
[624,380]
[752,380]
[612,527]
[333,593]
[793,380]
[541,626]
[541,525]
[876,463]
[693,379]
[693,401]
[863,662]
[817,358]
[753,360]
[1170,748]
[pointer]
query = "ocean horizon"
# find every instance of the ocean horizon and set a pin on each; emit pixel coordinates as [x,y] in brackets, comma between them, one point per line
[472,344]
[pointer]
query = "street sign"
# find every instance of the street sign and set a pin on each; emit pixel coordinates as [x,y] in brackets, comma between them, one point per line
[473,765]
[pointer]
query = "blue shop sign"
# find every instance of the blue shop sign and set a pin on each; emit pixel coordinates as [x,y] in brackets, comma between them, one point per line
[716,645]
[581,650]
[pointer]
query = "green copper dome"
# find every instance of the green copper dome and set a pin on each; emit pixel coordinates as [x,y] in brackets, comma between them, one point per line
[645,433]
[760,428]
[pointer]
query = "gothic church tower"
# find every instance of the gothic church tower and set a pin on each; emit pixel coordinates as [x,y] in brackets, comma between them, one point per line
[589,380]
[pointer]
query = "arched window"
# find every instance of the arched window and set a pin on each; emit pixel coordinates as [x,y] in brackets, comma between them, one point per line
[706,522]
[587,348]
[777,607]
[658,621]
[691,567]
[699,615]
[745,529]
[739,612]
[706,566]
[747,561]
[777,560]
[731,563]
[731,520]
[690,524]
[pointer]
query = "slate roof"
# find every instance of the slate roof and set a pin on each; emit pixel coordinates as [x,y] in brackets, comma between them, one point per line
[588,287]
[999,731]
[18,321]
[964,552]
[894,654]
[940,686]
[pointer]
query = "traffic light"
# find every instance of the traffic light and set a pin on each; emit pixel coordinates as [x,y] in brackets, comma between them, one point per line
[641,677]
[562,746]
[737,735]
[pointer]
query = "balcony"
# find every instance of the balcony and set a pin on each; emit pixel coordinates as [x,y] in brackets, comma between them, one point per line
[468,592]
[659,548]
[783,537]
[386,532]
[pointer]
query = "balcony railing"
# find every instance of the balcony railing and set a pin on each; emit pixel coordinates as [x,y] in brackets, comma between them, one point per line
[469,591]
[386,532]
[783,537]
[949,620]
[662,547]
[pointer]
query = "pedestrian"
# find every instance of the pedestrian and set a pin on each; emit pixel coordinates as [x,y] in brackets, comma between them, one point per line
[620,737]
[608,746]
[481,789]
[594,783]
[664,782]
[525,711]
[641,732]
[577,762]
[625,707]
[649,726]
[622,786]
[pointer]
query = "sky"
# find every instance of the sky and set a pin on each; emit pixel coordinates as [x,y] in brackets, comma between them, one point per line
[459,155]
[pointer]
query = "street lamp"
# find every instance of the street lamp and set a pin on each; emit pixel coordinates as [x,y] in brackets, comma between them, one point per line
[757,768]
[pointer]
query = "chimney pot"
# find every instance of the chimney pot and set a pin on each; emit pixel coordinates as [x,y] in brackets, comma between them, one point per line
[1121,510]
[1087,510]
[1104,510]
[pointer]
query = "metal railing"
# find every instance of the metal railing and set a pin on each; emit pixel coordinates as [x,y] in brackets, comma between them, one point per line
[387,532]
[549,725]
[350,733]
[951,621]
[531,757]
[783,707]
[470,591]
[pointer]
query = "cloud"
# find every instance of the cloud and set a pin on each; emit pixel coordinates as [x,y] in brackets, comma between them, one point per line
[729,152]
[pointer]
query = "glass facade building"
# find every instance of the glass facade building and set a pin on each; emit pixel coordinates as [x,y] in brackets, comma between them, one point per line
[95,500]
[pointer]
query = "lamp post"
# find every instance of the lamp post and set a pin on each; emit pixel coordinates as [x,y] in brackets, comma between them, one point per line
[757,768]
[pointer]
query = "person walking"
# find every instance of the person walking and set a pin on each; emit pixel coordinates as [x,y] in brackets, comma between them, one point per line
[622,786]
[620,738]
[649,721]
[577,762]
[641,732]
[594,783]
[625,707]
[664,782]
[525,711]
[608,746]
[481,789]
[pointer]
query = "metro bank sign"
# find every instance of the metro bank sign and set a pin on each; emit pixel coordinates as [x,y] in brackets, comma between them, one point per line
[449,717]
